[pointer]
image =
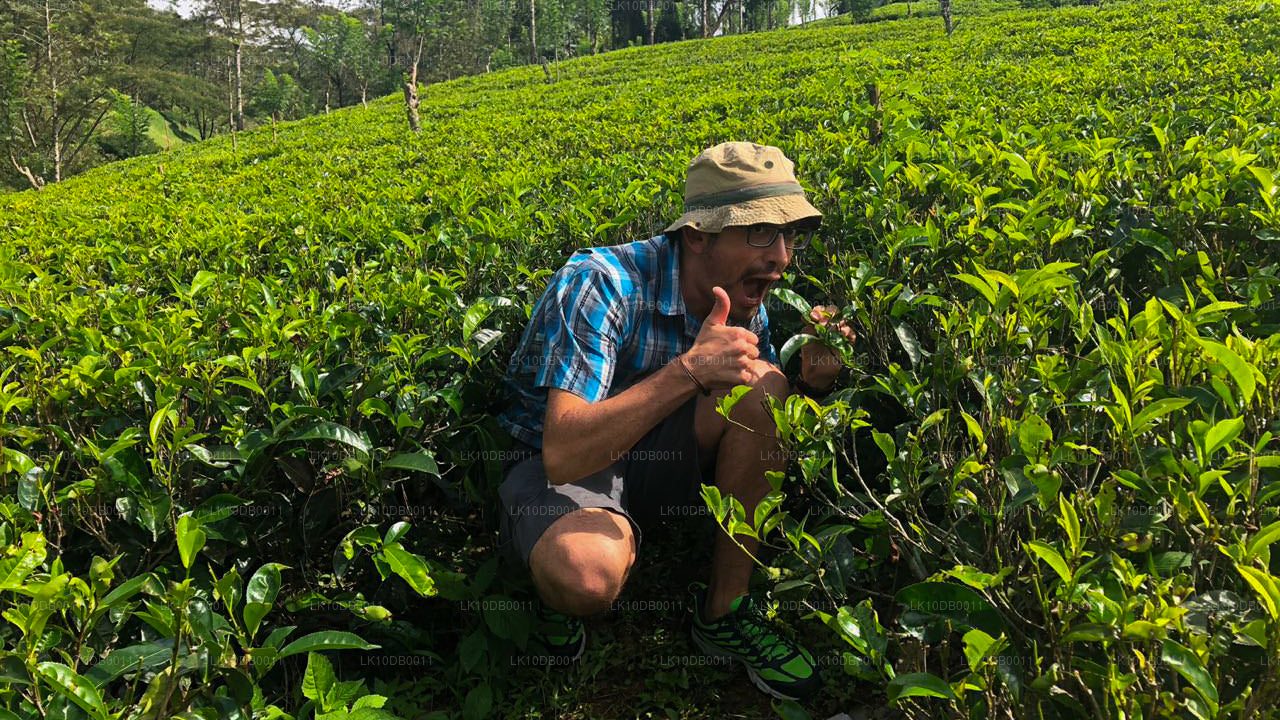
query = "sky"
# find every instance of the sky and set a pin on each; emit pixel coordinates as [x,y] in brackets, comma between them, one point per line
[185,7]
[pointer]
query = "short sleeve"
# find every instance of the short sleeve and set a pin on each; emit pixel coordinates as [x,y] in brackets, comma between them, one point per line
[582,316]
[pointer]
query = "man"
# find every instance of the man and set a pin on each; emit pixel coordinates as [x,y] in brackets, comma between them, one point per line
[615,385]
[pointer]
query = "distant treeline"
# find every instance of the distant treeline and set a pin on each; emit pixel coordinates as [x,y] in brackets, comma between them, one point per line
[82,81]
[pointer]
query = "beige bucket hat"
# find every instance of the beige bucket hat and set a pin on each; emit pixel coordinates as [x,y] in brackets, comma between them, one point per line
[742,183]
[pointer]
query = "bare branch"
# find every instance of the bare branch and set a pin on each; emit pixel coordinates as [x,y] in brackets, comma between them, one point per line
[87,135]
[30,133]
[36,182]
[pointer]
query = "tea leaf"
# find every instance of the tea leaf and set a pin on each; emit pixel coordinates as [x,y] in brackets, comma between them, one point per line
[918,684]
[1222,434]
[1189,666]
[190,538]
[1266,586]
[326,640]
[331,431]
[422,461]
[1070,523]
[260,594]
[1262,540]
[1050,555]
[411,567]
[75,688]
[1240,371]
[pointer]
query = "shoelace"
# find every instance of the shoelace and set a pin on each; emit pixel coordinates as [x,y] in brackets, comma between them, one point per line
[760,632]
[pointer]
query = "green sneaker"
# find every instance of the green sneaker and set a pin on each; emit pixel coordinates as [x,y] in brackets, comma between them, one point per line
[562,638]
[775,664]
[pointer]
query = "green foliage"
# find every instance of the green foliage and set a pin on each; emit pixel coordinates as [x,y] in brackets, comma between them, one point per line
[1050,487]
[331,699]
[348,50]
[127,135]
[278,98]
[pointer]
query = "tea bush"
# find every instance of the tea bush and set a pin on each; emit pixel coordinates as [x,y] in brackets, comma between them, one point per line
[246,408]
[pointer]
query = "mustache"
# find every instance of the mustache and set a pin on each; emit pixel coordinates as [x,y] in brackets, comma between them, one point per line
[768,270]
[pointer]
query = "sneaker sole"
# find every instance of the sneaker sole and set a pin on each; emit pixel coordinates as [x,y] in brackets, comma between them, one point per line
[756,680]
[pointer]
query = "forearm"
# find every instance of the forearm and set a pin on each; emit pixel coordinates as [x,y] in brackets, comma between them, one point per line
[588,437]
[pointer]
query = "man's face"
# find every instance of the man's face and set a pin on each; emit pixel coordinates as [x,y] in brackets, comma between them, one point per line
[744,271]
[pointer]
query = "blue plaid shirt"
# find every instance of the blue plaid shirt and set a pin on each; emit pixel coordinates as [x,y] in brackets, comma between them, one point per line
[609,317]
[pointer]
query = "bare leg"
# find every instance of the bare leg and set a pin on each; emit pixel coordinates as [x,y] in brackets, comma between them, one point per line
[742,458]
[581,562]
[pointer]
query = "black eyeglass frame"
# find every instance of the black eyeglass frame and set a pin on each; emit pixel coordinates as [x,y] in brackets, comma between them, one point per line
[800,236]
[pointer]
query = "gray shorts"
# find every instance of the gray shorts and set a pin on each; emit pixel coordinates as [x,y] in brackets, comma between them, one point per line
[660,478]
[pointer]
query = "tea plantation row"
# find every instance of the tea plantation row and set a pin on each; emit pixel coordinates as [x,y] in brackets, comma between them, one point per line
[247,397]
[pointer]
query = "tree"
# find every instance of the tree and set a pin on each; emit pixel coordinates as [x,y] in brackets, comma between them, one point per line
[128,125]
[268,98]
[719,18]
[328,40]
[69,54]
[418,25]
[13,78]
[275,97]
[349,50]
[175,66]
[860,10]
[533,32]
[945,7]
[231,16]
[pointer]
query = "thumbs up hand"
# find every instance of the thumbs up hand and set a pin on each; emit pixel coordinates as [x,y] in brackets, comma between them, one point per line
[720,311]
[723,356]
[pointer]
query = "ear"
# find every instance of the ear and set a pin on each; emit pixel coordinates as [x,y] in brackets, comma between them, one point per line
[695,240]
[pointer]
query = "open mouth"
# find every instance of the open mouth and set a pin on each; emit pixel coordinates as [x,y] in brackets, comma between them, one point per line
[754,288]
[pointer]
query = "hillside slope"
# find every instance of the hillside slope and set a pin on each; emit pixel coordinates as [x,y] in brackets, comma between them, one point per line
[1056,238]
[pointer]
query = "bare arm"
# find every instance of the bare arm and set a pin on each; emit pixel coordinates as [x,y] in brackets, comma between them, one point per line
[580,437]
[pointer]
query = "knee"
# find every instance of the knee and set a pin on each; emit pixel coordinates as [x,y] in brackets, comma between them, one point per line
[754,409]
[772,381]
[580,569]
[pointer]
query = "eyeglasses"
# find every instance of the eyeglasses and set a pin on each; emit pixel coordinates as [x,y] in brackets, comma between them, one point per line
[764,236]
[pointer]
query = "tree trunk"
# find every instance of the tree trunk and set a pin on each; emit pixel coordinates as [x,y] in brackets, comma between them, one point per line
[231,97]
[411,91]
[239,10]
[652,22]
[411,102]
[724,12]
[706,10]
[875,133]
[533,32]
[945,6]
[53,100]
[742,17]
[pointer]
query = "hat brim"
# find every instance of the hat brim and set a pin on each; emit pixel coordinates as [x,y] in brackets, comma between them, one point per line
[779,210]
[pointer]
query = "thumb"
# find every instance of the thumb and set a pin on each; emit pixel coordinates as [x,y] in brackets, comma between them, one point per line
[720,312]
